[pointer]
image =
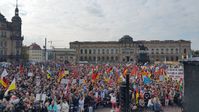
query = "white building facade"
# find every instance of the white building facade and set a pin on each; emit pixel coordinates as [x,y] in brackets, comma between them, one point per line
[35,53]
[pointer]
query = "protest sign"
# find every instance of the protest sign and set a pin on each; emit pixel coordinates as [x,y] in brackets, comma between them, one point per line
[30,74]
[64,81]
[175,73]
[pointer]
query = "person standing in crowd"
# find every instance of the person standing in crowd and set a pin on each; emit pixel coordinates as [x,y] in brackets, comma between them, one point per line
[113,100]
[64,106]
[99,88]
[81,104]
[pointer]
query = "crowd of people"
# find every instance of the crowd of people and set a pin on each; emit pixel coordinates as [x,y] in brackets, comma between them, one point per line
[58,87]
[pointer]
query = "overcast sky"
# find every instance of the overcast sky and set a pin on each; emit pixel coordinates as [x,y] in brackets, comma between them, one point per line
[63,21]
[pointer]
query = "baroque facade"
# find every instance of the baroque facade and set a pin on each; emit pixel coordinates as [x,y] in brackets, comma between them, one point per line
[127,50]
[11,38]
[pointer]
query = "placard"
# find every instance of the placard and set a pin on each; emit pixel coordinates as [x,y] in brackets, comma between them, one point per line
[38,97]
[64,81]
[30,74]
[175,73]
[74,81]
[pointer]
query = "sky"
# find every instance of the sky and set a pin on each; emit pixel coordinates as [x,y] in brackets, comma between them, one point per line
[64,21]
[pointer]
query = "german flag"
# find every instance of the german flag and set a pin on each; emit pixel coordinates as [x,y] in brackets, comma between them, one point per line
[61,75]
[125,72]
[4,82]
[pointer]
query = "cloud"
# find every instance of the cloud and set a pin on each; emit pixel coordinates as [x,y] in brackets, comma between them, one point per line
[98,20]
[95,9]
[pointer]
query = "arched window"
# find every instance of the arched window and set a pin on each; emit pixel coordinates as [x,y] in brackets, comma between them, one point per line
[102,58]
[85,58]
[107,51]
[85,51]
[107,58]
[81,58]
[176,58]
[112,58]
[162,51]
[176,50]
[90,51]
[157,51]
[103,51]
[98,58]
[89,58]
[185,51]
[81,51]
[171,51]
[116,58]
[167,58]
[94,58]
[94,51]
[167,51]
[172,58]
[152,51]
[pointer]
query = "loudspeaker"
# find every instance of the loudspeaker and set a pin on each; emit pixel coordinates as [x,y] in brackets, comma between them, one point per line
[191,85]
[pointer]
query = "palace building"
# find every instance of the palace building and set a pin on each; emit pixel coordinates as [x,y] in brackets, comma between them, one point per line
[11,37]
[126,50]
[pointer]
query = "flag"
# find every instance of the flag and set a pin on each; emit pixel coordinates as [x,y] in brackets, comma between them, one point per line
[42,69]
[181,84]
[134,70]
[146,80]
[21,69]
[125,72]
[61,75]
[48,74]
[109,70]
[106,79]
[3,80]
[94,76]
[11,87]
[137,96]
[121,79]
[4,73]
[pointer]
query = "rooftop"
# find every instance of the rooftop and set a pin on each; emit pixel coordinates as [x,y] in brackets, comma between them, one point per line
[34,46]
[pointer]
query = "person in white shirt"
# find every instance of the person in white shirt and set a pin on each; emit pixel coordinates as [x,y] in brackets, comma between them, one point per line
[65,106]
[58,107]
[150,104]
[113,100]
[81,104]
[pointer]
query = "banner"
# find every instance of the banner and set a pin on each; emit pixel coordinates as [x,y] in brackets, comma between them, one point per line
[175,73]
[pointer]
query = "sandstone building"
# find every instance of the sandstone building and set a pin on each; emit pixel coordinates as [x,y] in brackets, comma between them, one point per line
[127,50]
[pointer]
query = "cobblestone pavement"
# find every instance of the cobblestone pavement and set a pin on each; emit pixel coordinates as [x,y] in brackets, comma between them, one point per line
[165,109]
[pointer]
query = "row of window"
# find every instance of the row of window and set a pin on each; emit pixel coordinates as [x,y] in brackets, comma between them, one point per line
[98,51]
[115,51]
[4,52]
[36,58]
[166,51]
[36,55]
[35,51]
[166,58]
[98,58]
[4,44]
